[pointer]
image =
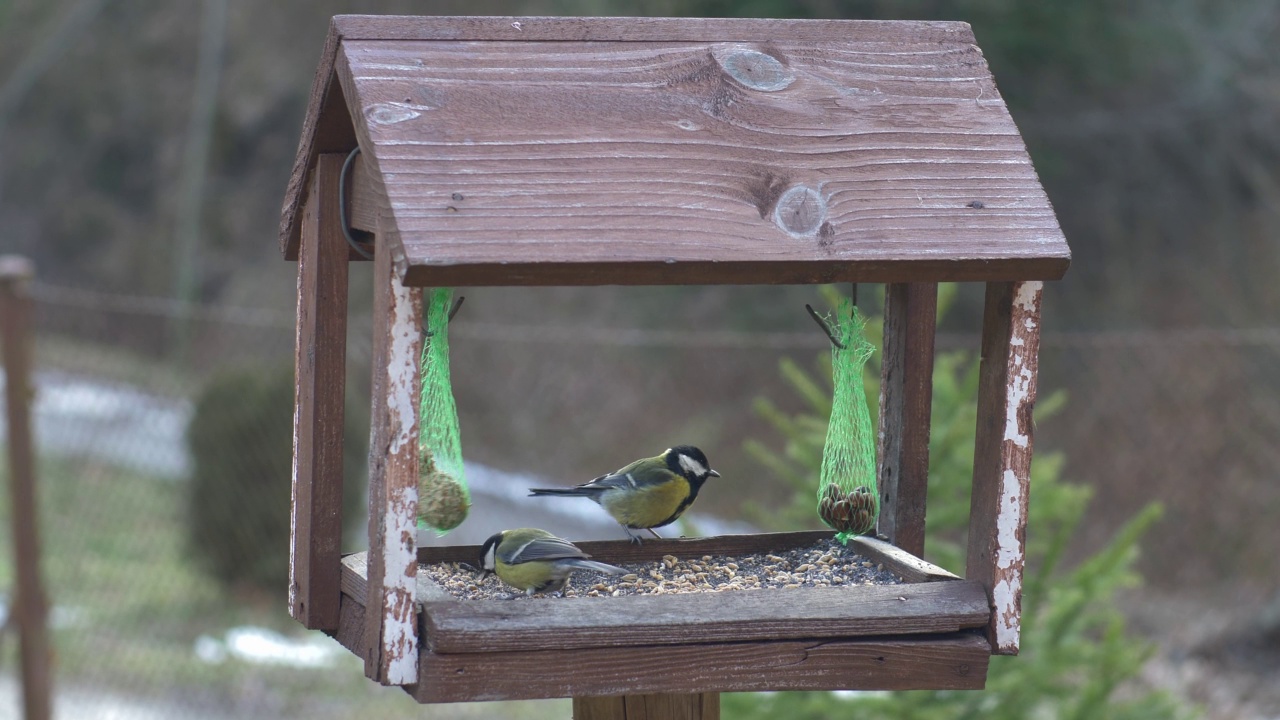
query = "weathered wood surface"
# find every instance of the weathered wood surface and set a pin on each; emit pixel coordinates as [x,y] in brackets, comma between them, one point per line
[320,373]
[351,622]
[906,395]
[900,562]
[1002,453]
[956,662]
[391,623]
[355,581]
[669,706]
[365,201]
[326,128]
[769,614]
[643,29]
[657,163]
[949,662]
[30,604]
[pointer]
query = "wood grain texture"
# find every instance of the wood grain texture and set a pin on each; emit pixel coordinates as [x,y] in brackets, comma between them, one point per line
[355,581]
[320,371]
[600,708]
[1002,454]
[365,203]
[669,706]
[947,662]
[906,396]
[678,162]
[391,624]
[900,562]
[644,29]
[773,614]
[326,128]
[31,604]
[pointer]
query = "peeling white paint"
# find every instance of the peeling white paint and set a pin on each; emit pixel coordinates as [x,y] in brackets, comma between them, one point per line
[1008,626]
[1011,516]
[1008,546]
[1021,381]
[1027,298]
[402,369]
[399,556]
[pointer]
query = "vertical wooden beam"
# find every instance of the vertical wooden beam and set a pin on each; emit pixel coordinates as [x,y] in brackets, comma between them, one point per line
[320,370]
[391,629]
[1002,455]
[906,396]
[661,706]
[31,607]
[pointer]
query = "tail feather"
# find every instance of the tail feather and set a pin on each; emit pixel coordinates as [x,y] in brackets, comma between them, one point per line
[596,566]
[569,492]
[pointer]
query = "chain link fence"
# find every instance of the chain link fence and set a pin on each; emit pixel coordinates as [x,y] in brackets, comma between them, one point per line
[1188,417]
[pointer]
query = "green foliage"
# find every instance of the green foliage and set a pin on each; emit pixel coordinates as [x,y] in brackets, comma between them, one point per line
[1075,651]
[241,439]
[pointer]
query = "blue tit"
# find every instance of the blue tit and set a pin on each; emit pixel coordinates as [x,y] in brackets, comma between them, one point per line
[534,560]
[648,493]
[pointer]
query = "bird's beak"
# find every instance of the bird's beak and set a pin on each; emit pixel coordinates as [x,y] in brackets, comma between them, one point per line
[713,473]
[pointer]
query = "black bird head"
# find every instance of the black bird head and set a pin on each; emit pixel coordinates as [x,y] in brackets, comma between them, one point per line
[489,554]
[690,462]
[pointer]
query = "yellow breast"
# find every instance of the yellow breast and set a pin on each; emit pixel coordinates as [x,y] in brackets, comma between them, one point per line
[647,507]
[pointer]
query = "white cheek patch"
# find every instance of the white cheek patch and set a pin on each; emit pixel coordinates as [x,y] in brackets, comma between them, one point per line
[691,466]
[489,562]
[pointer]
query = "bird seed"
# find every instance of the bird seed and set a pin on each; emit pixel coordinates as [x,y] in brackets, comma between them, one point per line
[823,564]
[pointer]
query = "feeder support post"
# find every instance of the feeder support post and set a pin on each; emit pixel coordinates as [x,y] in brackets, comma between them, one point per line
[391,620]
[660,706]
[315,525]
[1002,454]
[906,395]
[31,606]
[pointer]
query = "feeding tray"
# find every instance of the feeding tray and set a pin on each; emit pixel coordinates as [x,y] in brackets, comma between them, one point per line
[641,151]
[925,632]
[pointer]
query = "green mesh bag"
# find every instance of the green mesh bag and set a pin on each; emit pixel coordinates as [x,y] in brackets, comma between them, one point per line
[847,498]
[443,499]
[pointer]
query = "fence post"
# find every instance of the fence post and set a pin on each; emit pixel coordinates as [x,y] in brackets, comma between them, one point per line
[30,608]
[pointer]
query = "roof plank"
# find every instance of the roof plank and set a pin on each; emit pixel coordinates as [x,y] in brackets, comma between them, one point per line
[659,151]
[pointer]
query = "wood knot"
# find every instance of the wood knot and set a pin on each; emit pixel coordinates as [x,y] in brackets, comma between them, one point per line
[800,211]
[755,70]
[389,114]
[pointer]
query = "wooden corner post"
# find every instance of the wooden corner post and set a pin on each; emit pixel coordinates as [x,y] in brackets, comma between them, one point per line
[391,628]
[31,606]
[906,396]
[315,524]
[1002,454]
[662,706]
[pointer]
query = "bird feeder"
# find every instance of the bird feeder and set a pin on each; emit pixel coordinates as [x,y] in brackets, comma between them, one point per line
[657,151]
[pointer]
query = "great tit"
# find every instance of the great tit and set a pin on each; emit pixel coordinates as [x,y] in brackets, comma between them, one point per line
[648,493]
[534,560]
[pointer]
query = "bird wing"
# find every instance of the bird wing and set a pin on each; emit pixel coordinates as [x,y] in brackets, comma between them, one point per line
[631,477]
[543,548]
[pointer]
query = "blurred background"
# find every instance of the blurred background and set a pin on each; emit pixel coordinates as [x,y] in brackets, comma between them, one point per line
[144,151]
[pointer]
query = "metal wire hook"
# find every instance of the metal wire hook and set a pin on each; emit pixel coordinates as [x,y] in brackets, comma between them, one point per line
[825,327]
[342,206]
[457,303]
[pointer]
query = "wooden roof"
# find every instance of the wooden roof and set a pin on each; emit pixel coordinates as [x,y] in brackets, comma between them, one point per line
[651,150]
